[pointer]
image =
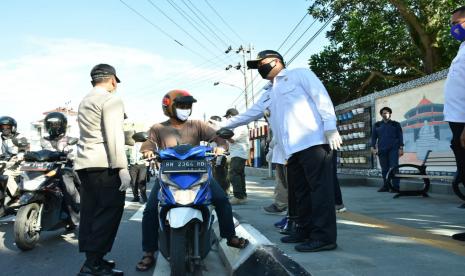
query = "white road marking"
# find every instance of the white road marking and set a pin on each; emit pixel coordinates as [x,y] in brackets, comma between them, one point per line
[138,215]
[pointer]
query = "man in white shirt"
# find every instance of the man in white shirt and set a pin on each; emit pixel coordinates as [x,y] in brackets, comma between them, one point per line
[304,122]
[454,97]
[239,153]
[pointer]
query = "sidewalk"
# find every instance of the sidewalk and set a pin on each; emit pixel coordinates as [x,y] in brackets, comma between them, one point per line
[378,236]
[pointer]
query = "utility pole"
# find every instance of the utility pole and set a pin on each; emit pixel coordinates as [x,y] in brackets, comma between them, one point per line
[251,76]
[243,68]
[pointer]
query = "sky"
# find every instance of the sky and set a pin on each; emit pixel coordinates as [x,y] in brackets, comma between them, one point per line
[48,48]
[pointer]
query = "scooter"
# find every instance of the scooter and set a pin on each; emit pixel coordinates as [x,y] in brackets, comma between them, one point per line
[185,210]
[41,196]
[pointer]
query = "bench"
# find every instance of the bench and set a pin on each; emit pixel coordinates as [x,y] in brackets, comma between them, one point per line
[436,165]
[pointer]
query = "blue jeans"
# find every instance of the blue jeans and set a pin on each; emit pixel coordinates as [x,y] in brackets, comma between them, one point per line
[389,159]
[150,216]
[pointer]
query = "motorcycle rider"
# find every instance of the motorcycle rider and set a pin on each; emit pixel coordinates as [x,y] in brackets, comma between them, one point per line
[56,125]
[177,105]
[11,152]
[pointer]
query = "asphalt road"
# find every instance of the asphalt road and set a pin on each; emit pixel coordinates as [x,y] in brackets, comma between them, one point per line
[57,251]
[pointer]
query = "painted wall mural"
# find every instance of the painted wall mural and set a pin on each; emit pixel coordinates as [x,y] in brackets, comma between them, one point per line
[420,113]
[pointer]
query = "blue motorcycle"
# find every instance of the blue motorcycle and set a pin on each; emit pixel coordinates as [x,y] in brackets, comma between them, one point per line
[185,211]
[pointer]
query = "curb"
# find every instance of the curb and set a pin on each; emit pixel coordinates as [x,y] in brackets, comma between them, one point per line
[260,257]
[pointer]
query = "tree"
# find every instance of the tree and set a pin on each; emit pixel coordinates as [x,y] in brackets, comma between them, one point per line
[376,44]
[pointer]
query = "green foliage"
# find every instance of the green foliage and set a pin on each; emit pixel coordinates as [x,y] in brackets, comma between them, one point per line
[376,44]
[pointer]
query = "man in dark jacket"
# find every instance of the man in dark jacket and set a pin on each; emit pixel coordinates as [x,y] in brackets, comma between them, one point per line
[387,142]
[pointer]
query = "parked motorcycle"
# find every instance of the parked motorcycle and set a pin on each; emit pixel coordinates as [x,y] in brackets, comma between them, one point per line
[41,196]
[185,211]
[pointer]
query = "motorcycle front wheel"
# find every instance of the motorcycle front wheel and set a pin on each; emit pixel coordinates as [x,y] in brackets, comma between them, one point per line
[178,251]
[26,235]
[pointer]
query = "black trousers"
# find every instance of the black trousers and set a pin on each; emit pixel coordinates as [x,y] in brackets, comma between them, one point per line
[337,187]
[236,176]
[138,180]
[220,172]
[102,206]
[72,198]
[311,174]
[458,150]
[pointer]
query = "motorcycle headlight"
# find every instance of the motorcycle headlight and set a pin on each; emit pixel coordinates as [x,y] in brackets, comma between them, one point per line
[184,197]
[187,196]
[33,184]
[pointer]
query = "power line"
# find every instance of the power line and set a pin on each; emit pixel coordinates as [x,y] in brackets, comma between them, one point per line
[194,80]
[293,30]
[162,31]
[300,37]
[226,23]
[203,22]
[211,23]
[175,23]
[151,23]
[312,38]
[193,24]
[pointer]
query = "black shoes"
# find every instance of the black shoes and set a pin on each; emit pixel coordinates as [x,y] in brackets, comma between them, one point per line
[136,199]
[315,246]
[383,190]
[110,263]
[296,237]
[459,236]
[104,269]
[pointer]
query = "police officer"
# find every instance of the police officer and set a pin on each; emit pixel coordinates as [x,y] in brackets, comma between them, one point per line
[387,142]
[103,170]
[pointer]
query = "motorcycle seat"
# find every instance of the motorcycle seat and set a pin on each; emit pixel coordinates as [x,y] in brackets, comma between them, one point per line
[44,156]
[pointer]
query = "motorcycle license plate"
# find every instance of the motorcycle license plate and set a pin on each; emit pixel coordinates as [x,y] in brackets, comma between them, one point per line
[36,166]
[184,166]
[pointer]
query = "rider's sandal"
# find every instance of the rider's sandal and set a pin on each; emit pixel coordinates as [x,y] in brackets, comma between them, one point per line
[237,242]
[146,263]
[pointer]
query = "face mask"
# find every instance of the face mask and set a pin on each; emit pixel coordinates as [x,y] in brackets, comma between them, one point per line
[183,114]
[458,32]
[265,69]
[386,116]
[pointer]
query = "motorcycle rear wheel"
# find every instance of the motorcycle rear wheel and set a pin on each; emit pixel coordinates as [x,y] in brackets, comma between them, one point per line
[26,237]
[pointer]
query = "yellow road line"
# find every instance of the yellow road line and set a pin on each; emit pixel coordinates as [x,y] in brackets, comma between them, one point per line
[421,236]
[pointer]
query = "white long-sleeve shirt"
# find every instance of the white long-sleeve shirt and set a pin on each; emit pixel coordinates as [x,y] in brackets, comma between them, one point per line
[454,89]
[300,110]
[276,152]
[240,147]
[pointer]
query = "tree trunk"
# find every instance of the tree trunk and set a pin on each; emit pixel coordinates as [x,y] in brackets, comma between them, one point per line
[425,40]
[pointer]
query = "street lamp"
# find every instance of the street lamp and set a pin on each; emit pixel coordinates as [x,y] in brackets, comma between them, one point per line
[229,84]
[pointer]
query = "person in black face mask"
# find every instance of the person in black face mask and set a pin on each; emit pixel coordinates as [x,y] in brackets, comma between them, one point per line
[302,117]
[454,98]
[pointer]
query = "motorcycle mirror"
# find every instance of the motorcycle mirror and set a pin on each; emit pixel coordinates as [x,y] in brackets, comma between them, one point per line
[72,141]
[225,133]
[21,142]
[140,136]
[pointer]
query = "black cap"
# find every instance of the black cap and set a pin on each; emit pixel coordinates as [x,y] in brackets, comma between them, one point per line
[103,71]
[253,63]
[231,112]
[215,118]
